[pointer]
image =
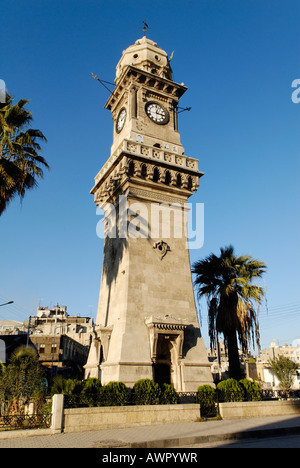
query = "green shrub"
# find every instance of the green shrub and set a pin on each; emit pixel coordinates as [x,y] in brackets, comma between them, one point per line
[252,390]
[230,390]
[90,393]
[168,395]
[146,392]
[46,408]
[66,386]
[206,396]
[113,394]
[91,385]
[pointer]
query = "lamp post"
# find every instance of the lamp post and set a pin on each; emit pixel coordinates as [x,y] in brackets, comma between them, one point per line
[28,331]
[53,345]
[6,303]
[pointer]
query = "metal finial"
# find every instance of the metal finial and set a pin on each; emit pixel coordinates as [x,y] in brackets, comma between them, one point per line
[145,28]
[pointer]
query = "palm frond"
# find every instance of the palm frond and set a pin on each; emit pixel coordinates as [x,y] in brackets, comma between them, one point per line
[21,163]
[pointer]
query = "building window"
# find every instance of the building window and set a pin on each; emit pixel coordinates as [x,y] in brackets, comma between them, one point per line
[178,180]
[131,169]
[144,171]
[156,175]
[168,178]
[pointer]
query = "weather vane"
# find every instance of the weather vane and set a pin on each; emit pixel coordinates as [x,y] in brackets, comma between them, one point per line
[145,28]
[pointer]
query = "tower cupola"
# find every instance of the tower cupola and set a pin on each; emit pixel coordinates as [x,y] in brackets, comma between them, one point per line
[147,56]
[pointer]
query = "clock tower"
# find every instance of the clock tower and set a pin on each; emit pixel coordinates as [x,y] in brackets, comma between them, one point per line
[146,325]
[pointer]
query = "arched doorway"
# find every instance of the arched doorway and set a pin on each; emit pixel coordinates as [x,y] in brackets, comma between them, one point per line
[166,338]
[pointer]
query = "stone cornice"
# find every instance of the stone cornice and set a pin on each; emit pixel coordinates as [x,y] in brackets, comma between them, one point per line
[159,157]
[142,77]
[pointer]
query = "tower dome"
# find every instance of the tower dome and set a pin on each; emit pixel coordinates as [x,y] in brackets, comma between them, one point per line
[145,55]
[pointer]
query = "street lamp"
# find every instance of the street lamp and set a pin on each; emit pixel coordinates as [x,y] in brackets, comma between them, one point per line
[6,303]
[53,345]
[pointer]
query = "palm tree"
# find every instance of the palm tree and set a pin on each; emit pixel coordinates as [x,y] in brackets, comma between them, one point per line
[23,377]
[226,282]
[20,160]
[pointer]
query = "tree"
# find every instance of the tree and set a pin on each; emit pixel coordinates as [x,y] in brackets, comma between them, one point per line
[284,369]
[21,163]
[2,370]
[226,283]
[23,377]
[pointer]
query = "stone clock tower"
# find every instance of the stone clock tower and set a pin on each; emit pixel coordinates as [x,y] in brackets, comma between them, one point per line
[146,324]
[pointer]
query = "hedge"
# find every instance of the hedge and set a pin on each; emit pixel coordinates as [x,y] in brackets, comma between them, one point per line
[230,390]
[146,392]
[252,390]
[90,392]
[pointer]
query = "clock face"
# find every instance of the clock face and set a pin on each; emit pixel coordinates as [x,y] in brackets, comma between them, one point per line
[157,113]
[121,119]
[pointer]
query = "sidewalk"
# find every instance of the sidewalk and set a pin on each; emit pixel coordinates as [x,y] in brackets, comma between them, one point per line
[156,436]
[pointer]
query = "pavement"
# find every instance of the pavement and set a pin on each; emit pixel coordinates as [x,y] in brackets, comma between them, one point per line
[173,436]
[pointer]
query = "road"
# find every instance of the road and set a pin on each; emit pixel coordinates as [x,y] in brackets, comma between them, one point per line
[272,442]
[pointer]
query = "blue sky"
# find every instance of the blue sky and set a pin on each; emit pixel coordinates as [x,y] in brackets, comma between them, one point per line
[238,60]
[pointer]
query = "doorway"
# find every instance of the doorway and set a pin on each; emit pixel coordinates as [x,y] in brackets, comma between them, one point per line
[162,366]
[162,374]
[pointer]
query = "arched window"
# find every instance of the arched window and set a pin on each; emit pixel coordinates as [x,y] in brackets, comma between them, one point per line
[144,171]
[168,178]
[156,175]
[131,169]
[178,180]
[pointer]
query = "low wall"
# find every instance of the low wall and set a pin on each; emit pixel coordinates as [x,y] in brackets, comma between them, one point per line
[91,419]
[257,409]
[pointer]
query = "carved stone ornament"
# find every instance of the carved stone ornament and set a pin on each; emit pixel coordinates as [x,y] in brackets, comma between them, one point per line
[162,248]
